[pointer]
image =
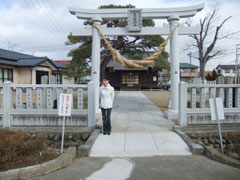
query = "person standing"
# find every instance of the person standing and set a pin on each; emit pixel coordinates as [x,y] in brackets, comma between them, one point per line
[106,95]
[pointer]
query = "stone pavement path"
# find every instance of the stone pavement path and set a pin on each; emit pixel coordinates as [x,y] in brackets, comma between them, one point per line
[134,112]
[139,129]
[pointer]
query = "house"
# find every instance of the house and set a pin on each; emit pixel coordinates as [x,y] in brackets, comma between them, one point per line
[226,70]
[131,78]
[22,68]
[145,78]
[187,72]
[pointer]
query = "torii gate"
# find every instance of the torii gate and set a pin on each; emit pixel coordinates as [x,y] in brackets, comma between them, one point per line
[135,17]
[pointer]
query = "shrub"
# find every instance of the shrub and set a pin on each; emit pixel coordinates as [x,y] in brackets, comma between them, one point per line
[15,145]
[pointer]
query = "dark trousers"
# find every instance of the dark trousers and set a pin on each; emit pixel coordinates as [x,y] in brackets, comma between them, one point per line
[106,118]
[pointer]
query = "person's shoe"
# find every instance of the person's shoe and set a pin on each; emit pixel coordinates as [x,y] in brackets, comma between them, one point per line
[104,133]
[109,133]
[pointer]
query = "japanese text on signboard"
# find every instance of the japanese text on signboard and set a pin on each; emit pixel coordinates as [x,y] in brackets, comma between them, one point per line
[65,105]
[135,20]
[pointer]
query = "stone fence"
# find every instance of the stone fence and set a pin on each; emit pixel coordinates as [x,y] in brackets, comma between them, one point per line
[27,105]
[194,103]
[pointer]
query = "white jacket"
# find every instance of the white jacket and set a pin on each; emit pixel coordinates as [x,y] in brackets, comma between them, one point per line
[106,95]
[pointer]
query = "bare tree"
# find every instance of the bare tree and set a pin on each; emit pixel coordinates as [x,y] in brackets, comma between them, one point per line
[205,42]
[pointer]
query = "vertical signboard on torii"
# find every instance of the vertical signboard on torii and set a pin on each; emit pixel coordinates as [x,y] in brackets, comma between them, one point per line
[134,20]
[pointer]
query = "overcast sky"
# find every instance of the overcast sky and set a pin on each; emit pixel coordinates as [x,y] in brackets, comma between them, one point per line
[40,27]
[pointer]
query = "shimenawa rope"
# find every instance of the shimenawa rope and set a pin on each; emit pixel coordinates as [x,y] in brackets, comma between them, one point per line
[136,63]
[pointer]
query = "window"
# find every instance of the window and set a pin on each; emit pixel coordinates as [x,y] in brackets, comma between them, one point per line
[227,70]
[81,80]
[6,75]
[130,78]
[58,78]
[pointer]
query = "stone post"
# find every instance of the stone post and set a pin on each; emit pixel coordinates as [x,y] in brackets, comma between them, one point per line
[44,80]
[53,80]
[182,116]
[172,113]
[7,103]
[91,105]
[95,69]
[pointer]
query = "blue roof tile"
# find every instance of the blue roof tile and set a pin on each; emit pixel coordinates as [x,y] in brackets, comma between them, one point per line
[24,60]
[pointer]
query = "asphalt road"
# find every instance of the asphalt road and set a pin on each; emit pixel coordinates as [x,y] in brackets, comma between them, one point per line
[195,167]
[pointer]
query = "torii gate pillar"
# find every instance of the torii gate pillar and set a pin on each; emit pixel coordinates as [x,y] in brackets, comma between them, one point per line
[172,113]
[95,67]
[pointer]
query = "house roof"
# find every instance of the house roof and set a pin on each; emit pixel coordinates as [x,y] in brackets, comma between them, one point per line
[187,66]
[6,54]
[228,66]
[60,66]
[12,58]
[118,66]
[63,62]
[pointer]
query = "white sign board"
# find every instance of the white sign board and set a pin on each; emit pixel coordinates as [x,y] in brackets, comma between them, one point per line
[213,109]
[217,110]
[65,105]
[220,109]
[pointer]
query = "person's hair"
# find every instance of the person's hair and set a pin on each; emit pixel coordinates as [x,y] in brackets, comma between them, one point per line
[105,78]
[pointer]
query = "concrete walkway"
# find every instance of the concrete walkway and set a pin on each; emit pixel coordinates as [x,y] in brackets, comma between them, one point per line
[139,129]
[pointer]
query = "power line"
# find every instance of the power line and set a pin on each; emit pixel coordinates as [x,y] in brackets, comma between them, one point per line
[37,25]
[50,24]
[45,23]
[53,17]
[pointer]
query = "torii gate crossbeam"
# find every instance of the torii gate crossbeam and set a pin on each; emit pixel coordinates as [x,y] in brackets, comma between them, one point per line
[172,14]
[145,31]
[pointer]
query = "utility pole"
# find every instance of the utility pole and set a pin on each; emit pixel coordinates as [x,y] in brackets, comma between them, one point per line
[236,64]
[190,74]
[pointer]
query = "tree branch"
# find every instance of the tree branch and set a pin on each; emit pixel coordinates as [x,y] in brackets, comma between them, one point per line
[228,35]
[219,52]
[212,45]
[209,22]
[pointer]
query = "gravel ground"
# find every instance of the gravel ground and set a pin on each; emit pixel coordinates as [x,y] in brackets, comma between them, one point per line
[159,98]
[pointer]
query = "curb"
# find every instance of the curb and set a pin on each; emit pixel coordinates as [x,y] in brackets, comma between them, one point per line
[84,150]
[41,169]
[219,157]
[195,148]
[209,151]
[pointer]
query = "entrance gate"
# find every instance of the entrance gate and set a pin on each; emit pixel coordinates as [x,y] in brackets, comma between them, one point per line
[135,17]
